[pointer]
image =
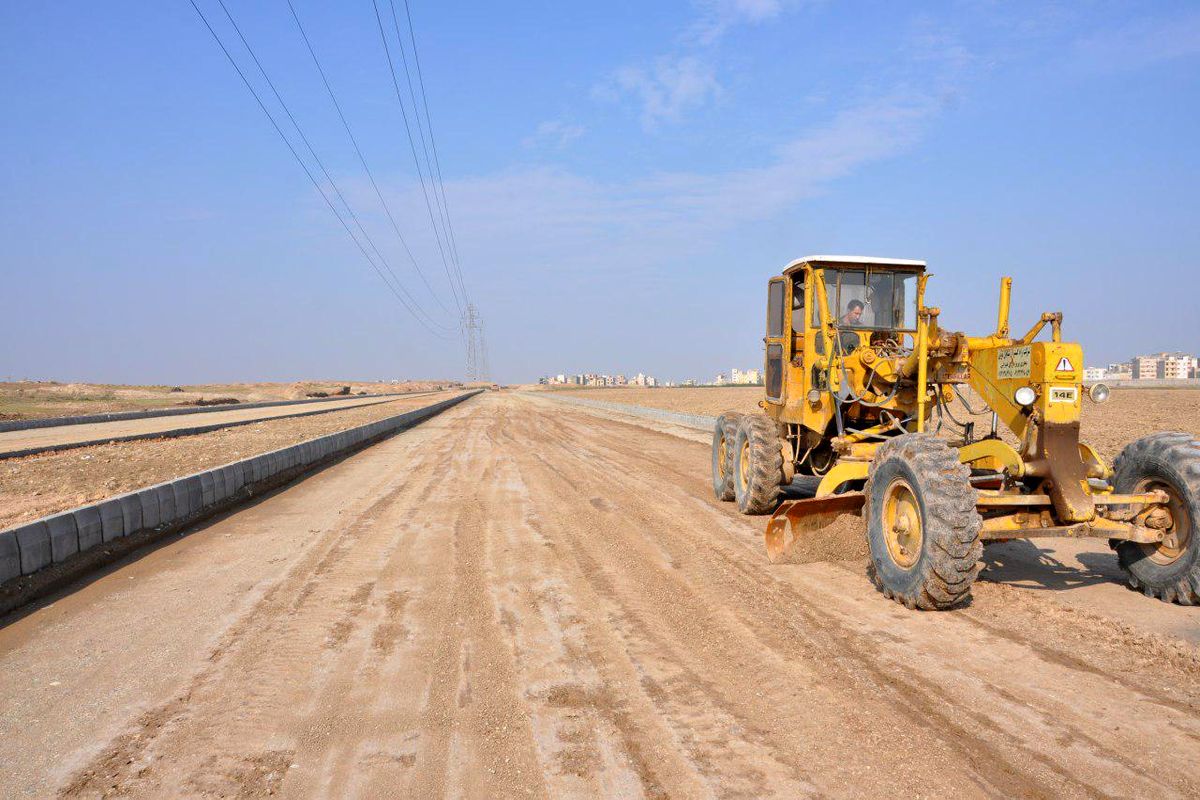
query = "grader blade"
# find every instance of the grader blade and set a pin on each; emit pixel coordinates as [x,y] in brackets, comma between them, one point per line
[795,518]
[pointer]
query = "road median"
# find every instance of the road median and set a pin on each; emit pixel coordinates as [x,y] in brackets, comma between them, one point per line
[166,411]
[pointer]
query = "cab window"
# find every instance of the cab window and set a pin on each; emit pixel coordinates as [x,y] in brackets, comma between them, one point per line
[775,308]
[883,299]
[798,306]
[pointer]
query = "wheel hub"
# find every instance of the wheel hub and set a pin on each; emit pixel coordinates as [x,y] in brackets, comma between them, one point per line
[1172,519]
[902,530]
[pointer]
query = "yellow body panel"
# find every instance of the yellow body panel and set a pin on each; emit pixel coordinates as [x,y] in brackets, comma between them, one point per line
[880,388]
[1054,370]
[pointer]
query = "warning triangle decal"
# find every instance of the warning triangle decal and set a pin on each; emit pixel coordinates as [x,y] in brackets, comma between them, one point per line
[1064,365]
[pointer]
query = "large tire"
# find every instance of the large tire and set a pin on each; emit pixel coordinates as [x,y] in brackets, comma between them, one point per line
[1170,570]
[758,465]
[724,437]
[922,524]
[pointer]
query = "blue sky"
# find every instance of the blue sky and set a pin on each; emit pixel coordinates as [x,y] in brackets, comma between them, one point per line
[623,179]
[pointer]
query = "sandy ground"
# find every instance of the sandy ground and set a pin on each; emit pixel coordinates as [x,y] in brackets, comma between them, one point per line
[37,485]
[524,600]
[37,399]
[1129,414]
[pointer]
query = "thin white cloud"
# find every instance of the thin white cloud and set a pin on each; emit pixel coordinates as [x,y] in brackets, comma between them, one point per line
[1139,43]
[718,16]
[664,91]
[555,133]
[671,85]
[641,227]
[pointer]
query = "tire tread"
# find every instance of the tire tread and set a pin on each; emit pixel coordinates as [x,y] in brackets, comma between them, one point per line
[951,522]
[1182,452]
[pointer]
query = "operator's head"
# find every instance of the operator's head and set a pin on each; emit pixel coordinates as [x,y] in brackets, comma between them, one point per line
[854,311]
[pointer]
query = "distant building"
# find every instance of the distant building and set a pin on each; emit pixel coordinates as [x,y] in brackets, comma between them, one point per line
[1164,367]
[1122,371]
[1145,368]
[1176,366]
[743,377]
[598,379]
[1095,373]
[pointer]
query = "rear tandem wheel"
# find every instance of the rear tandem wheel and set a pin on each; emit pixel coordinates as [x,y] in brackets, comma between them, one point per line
[758,465]
[724,436]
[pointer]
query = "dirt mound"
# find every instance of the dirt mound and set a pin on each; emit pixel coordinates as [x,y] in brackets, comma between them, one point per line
[844,540]
[216,401]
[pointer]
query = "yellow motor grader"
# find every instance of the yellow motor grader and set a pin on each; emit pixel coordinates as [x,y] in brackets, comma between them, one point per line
[861,383]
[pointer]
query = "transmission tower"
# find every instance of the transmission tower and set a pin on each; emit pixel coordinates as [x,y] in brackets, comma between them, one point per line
[477,360]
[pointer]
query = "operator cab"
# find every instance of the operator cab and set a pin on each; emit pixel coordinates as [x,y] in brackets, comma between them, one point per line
[871,301]
[869,298]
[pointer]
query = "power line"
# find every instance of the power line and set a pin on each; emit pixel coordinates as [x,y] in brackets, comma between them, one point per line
[349,210]
[432,140]
[412,146]
[312,179]
[412,94]
[476,344]
[362,160]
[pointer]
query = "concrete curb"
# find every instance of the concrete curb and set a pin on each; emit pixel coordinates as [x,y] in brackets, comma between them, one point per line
[66,537]
[120,416]
[191,430]
[698,421]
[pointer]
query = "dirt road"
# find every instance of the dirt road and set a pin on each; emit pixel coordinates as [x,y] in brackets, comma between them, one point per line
[521,600]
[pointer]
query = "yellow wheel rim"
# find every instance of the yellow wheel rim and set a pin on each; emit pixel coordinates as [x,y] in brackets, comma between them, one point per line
[721,452]
[902,529]
[1174,521]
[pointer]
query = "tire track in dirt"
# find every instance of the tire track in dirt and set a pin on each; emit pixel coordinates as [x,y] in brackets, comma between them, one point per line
[544,603]
[593,739]
[702,678]
[1006,736]
[233,706]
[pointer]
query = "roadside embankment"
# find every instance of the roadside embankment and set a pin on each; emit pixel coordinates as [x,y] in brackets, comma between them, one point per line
[149,413]
[45,553]
[37,485]
[15,444]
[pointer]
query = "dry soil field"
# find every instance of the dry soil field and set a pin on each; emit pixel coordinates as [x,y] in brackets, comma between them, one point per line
[35,399]
[1129,414]
[521,598]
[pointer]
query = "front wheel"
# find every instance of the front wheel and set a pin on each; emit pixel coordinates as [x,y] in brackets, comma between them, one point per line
[922,524]
[1170,569]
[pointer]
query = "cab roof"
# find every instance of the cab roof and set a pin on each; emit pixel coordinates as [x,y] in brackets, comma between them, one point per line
[821,260]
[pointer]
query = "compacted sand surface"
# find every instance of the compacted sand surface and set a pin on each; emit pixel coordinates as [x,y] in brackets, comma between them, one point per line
[1129,414]
[520,598]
